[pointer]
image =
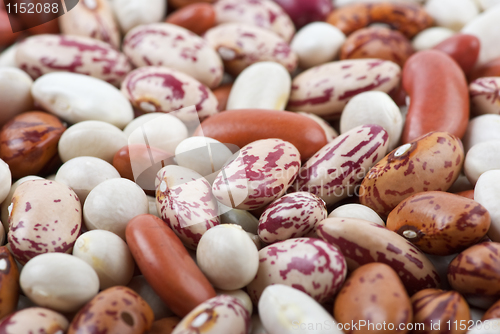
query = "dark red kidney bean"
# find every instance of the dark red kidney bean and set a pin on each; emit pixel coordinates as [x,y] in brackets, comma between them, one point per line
[303,12]
[463,48]
[197,17]
[439,95]
[490,69]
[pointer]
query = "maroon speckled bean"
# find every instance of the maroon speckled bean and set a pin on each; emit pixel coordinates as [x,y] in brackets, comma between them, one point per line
[485,95]
[34,320]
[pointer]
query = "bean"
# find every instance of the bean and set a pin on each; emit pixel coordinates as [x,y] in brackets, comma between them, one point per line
[488,69]
[166,264]
[222,94]
[485,95]
[131,13]
[480,129]
[15,93]
[164,325]
[481,158]
[45,216]
[487,193]
[364,242]
[357,211]
[439,223]
[140,285]
[463,48]
[34,320]
[430,37]
[197,17]
[239,294]
[243,218]
[5,180]
[437,103]
[330,132]
[9,276]
[304,12]
[183,3]
[242,127]
[492,313]
[452,14]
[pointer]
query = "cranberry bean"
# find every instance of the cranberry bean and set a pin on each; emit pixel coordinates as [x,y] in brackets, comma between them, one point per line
[377,42]
[310,265]
[439,223]
[409,19]
[131,13]
[34,320]
[92,18]
[304,12]
[451,13]
[375,292]
[283,302]
[239,294]
[241,45]
[325,89]
[75,283]
[242,127]
[291,216]
[430,37]
[487,193]
[334,171]
[45,216]
[166,264]
[357,211]
[164,44]
[485,95]
[463,48]
[185,202]
[116,310]
[15,93]
[364,242]
[261,13]
[197,17]
[9,289]
[481,158]
[431,162]
[261,173]
[473,273]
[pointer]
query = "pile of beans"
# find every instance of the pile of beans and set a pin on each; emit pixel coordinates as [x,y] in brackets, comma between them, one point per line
[250,167]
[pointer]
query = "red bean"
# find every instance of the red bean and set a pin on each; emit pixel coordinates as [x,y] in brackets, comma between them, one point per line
[463,48]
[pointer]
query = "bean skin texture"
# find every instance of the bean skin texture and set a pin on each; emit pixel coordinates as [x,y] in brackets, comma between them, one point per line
[167,265]
[433,305]
[9,282]
[463,48]
[431,162]
[409,19]
[197,17]
[440,223]
[438,102]
[373,291]
[244,126]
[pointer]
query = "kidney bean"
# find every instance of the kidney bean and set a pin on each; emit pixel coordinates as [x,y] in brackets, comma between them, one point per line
[304,12]
[261,173]
[480,129]
[325,89]
[45,216]
[439,223]
[197,17]
[7,201]
[317,43]
[488,69]
[434,305]
[166,264]
[377,42]
[241,127]
[373,108]
[185,202]
[409,19]
[335,170]
[263,85]
[364,242]
[261,13]
[437,103]
[330,132]
[114,310]
[227,270]
[487,193]
[41,54]
[75,283]
[291,216]
[492,313]
[164,44]
[92,18]
[15,93]
[160,89]
[34,320]
[481,158]
[131,13]
[77,98]
[452,14]
[28,142]
[164,326]
[430,37]
[463,48]
[222,94]
[357,211]
[221,314]
[310,265]
[9,277]
[431,162]
[473,273]
[375,292]
[283,302]
[485,95]
[80,140]
[112,203]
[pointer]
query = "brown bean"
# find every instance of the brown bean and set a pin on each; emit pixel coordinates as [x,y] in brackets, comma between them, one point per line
[164,326]
[493,312]
[9,282]
[197,17]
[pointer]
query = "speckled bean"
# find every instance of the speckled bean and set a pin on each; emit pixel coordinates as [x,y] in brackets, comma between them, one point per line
[45,216]
[439,223]
[42,54]
[9,278]
[310,265]
[291,216]
[364,242]
[431,162]
[164,44]
[485,95]
[334,171]
[261,173]
[34,320]
[325,89]
[15,93]
[241,45]
[185,202]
